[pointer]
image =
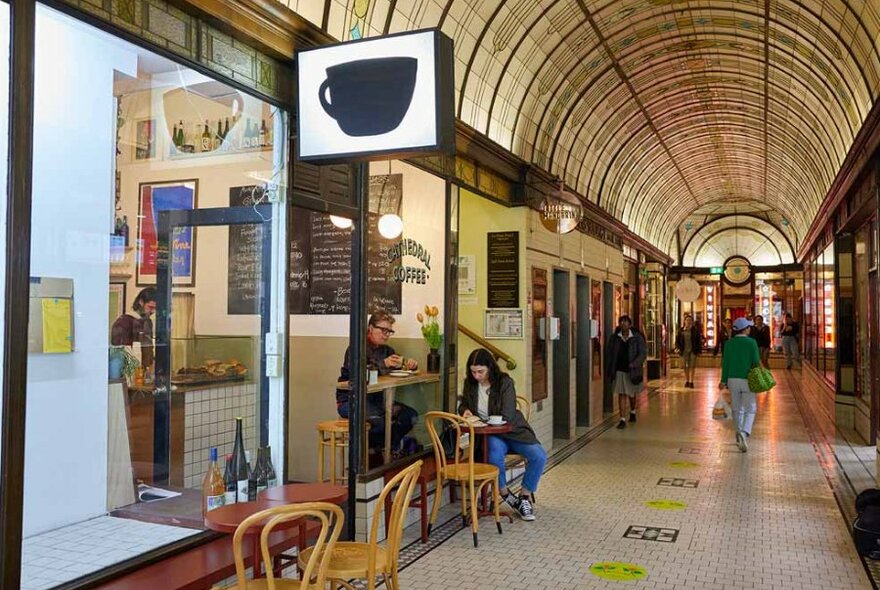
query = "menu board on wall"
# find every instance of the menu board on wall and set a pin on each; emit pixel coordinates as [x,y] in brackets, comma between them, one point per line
[244,281]
[502,269]
[320,263]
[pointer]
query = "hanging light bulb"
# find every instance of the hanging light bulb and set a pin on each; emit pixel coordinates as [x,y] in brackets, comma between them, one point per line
[390,226]
[341,222]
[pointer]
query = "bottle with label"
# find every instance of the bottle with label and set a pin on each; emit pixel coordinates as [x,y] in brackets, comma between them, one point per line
[240,464]
[264,133]
[229,481]
[213,488]
[174,136]
[246,140]
[207,142]
[262,481]
[271,477]
[218,137]
[181,136]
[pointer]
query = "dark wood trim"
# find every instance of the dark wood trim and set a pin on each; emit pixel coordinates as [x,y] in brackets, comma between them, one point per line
[859,157]
[16,302]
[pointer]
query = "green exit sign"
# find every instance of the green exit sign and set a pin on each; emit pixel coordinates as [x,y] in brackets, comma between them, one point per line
[716,270]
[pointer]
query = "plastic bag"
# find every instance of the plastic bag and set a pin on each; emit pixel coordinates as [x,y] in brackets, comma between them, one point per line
[721,410]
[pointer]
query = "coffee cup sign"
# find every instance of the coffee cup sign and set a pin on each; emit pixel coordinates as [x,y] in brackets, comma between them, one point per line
[559,215]
[351,88]
[687,290]
[378,98]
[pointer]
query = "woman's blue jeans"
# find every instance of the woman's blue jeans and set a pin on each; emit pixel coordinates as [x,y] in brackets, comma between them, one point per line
[533,453]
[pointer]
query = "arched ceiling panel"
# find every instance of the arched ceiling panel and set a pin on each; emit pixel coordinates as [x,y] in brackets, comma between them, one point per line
[658,110]
[749,235]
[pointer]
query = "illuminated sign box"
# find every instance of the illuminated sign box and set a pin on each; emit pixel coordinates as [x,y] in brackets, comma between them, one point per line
[388,97]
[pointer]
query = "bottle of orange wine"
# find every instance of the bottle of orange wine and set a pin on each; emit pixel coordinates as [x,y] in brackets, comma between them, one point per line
[213,488]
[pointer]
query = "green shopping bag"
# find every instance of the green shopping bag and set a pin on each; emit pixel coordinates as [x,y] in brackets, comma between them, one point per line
[761,380]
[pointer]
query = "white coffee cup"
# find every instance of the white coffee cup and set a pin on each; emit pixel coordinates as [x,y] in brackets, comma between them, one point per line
[496,419]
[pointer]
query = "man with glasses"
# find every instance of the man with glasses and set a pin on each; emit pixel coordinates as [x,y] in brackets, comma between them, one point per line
[382,358]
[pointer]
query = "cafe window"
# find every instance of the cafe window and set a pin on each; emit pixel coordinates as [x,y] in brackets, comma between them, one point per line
[405,261]
[4,154]
[154,229]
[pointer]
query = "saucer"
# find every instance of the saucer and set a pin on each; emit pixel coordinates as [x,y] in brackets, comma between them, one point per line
[502,423]
[399,373]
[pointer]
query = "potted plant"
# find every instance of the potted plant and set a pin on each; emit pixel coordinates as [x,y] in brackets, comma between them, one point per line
[122,363]
[432,335]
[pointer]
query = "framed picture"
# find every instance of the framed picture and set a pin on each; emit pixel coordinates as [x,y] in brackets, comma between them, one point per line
[145,139]
[504,323]
[154,197]
[117,301]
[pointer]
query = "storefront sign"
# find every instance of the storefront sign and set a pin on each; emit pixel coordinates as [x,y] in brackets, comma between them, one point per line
[377,98]
[503,269]
[410,274]
[687,290]
[561,214]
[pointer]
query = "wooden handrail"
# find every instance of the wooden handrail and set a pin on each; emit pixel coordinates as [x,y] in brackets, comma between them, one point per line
[499,354]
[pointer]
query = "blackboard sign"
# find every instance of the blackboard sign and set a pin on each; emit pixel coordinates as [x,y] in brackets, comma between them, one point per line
[502,269]
[244,281]
[320,264]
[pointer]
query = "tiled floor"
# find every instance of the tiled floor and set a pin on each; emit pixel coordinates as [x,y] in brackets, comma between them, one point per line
[73,551]
[764,519]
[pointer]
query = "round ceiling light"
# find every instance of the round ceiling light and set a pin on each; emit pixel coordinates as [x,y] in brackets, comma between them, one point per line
[341,222]
[390,226]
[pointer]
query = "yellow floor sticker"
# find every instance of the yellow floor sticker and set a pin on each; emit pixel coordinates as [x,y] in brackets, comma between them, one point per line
[617,571]
[684,464]
[665,504]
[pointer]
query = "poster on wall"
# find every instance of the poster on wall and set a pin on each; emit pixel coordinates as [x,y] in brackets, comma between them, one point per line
[467,277]
[154,197]
[502,269]
[117,301]
[244,279]
[503,323]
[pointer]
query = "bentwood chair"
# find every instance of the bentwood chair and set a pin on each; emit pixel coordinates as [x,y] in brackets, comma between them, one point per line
[365,561]
[329,516]
[462,469]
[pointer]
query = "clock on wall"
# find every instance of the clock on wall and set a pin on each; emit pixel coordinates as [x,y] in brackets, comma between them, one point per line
[737,270]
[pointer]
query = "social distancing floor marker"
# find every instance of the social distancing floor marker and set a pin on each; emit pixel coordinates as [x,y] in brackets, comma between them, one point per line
[684,464]
[617,571]
[666,504]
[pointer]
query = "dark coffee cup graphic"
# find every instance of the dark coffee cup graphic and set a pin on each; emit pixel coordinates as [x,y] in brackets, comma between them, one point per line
[369,96]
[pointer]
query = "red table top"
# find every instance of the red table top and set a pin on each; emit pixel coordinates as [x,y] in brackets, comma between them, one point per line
[489,429]
[297,493]
[227,518]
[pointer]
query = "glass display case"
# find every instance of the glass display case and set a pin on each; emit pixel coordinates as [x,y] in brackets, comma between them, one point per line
[208,359]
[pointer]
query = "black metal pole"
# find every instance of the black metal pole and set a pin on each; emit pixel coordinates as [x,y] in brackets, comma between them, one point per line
[357,338]
[16,302]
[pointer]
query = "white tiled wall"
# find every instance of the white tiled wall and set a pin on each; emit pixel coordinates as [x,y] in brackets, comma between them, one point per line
[210,422]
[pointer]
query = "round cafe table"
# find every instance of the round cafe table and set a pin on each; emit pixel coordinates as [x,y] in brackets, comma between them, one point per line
[484,432]
[227,519]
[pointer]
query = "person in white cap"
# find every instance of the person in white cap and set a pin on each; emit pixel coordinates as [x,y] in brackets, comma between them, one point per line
[740,356]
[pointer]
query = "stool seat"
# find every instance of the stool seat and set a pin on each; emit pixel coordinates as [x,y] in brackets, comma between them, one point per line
[333,435]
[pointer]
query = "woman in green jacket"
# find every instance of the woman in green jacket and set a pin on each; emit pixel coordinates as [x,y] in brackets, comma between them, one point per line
[740,356]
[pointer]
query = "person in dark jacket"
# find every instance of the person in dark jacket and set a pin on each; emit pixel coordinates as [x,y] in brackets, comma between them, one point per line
[791,332]
[382,358]
[626,354]
[127,330]
[487,391]
[761,333]
[689,343]
[724,334]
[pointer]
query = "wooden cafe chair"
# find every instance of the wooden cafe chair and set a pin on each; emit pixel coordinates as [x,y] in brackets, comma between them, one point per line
[366,561]
[525,407]
[461,468]
[330,517]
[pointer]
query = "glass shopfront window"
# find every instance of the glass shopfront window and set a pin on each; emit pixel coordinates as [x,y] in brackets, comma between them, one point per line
[828,340]
[4,158]
[152,194]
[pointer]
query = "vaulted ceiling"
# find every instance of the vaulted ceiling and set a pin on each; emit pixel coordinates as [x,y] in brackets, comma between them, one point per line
[657,109]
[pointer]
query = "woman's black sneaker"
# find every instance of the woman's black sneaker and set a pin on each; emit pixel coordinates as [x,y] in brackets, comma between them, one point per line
[621,424]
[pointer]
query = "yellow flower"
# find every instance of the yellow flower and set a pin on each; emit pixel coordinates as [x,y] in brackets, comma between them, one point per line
[427,310]
[434,311]
[420,317]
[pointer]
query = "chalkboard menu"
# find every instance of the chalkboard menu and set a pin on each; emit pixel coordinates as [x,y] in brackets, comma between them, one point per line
[502,269]
[320,263]
[244,282]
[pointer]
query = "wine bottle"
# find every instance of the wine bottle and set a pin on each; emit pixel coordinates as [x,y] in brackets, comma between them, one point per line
[271,477]
[174,136]
[207,143]
[262,481]
[240,464]
[213,488]
[263,133]
[226,128]
[252,481]
[181,135]
[246,140]
[229,481]
[218,137]
[123,230]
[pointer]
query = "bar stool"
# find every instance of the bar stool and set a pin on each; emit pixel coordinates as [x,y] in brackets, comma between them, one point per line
[332,435]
